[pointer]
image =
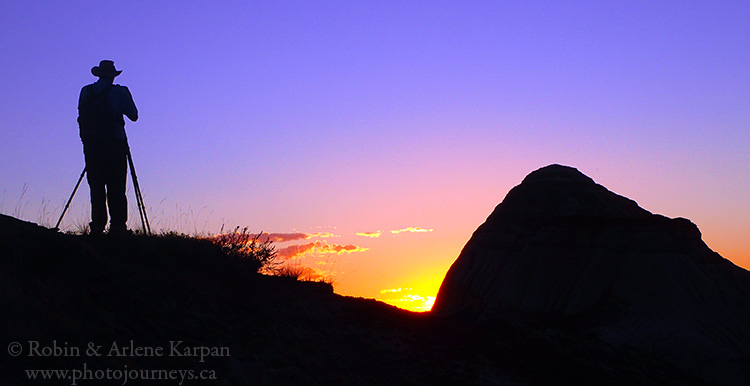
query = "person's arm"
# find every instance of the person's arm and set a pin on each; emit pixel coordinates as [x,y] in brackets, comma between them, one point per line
[80,98]
[129,108]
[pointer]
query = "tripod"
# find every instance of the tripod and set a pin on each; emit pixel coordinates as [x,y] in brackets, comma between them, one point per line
[138,197]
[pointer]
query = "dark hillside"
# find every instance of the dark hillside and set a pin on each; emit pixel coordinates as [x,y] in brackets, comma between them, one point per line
[150,293]
[73,290]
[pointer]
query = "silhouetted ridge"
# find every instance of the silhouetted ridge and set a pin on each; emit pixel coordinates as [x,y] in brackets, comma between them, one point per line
[562,249]
[557,190]
[152,290]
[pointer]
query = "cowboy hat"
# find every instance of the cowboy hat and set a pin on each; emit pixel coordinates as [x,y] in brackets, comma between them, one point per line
[105,68]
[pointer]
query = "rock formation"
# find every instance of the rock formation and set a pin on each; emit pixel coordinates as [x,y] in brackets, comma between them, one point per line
[563,250]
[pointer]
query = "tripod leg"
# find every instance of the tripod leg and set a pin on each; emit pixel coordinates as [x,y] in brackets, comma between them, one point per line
[67,205]
[139,197]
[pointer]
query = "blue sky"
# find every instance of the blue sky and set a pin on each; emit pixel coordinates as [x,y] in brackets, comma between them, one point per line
[362,116]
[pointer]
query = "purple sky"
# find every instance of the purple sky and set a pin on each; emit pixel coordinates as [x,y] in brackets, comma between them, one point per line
[351,117]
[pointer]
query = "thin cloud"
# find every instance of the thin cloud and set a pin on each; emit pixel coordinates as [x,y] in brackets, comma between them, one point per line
[323,235]
[412,230]
[282,237]
[393,290]
[317,248]
[286,237]
[373,235]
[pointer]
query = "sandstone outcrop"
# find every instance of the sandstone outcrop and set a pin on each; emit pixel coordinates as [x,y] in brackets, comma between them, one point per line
[563,250]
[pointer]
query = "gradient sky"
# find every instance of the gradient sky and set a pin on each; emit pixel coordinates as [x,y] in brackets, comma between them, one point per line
[338,118]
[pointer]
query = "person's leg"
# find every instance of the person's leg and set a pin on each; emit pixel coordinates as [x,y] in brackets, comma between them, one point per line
[96,180]
[116,182]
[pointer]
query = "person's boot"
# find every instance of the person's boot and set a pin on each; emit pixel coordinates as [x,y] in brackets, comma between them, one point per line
[118,230]
[95,229]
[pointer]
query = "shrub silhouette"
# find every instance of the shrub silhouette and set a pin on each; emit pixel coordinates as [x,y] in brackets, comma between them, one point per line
[245,246]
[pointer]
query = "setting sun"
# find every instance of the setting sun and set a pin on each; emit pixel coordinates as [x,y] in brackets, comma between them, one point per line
[406,298]
[418,298]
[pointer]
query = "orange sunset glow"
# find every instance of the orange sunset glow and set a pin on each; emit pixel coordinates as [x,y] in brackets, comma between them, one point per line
[320,257]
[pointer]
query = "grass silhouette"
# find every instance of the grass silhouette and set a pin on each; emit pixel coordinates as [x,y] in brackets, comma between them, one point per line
[241,244]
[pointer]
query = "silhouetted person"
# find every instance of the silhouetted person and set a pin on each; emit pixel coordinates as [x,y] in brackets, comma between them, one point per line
[101,107]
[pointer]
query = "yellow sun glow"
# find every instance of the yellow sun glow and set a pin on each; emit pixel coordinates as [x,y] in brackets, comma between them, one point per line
[418,298]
